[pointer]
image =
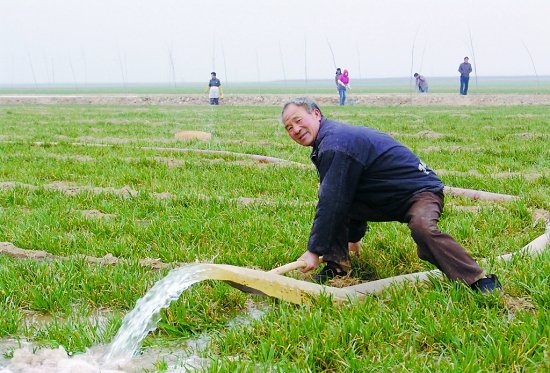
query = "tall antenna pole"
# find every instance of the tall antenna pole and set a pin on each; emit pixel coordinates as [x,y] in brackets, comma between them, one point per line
[533,64]
[53,72]
[73,72]
[473,53]
[122,67]
[305,58]
[213,54]
[282,62]
[172,66]
[332,53]
[412,62]
[85,67]
[422,58]
[224,66]
[32,71]
[358,60]
[258,71]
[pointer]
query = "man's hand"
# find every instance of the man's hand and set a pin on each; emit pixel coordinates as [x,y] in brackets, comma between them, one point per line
[311,260]
[354,247]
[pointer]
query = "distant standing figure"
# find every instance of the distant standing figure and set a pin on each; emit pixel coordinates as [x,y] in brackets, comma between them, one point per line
[464,69]
[421,83]
[214,89]
[338,73]
[343,85]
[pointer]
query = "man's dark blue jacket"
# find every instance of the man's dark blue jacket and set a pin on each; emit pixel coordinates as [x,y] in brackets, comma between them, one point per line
[360,165]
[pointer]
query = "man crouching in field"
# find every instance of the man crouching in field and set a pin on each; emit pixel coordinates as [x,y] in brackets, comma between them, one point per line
[366,175]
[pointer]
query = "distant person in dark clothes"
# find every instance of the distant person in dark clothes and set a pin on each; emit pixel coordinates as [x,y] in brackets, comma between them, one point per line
[214,89]
[421,83]
[465,68]
[336,76]
[367,176]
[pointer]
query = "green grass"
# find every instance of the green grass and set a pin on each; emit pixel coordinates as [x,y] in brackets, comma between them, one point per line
[57,162]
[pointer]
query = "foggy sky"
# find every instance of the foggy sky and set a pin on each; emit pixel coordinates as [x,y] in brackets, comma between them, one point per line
[125,41]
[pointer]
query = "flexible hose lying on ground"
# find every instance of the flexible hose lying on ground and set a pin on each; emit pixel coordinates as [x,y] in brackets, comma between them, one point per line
[478,194]
[275,285]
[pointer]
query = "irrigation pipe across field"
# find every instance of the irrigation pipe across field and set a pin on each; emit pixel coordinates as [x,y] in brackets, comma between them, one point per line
[275,285]
[299,292]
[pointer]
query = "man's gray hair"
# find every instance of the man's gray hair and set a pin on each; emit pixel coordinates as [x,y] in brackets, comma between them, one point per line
[304,102]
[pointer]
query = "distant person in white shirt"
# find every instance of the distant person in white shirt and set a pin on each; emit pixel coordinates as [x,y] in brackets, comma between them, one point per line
[214,89]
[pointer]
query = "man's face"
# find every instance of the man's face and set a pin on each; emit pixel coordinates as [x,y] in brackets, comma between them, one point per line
[301,126]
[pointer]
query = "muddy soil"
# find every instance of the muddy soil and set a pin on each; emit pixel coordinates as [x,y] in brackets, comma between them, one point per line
[390,99]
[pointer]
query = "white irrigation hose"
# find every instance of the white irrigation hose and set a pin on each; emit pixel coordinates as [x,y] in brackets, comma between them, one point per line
[478,194]
[299,292]
[535,247]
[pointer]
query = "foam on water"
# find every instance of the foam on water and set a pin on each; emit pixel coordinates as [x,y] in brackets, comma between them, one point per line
[27,360]
[32,359]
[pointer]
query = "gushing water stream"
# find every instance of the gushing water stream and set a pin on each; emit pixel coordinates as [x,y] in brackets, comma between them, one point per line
[135,327]
[146,314]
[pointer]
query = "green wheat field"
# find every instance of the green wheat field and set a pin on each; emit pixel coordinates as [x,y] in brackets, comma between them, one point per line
[115,182]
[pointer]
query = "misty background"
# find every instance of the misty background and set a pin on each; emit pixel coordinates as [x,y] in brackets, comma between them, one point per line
[169,41]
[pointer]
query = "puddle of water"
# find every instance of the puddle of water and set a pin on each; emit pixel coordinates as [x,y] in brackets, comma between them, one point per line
[27,358]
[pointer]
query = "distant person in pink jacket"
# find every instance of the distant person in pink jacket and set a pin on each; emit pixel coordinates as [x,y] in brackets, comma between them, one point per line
[343,85]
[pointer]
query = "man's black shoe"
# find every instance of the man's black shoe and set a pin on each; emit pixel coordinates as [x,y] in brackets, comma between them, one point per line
[487,284]
[328,272]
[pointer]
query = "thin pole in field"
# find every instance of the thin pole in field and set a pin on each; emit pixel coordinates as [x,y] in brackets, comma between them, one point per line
[47,69]
[12,80]
[332,53]
[172,67]
[282,62]
[473,53]
[358,60]
[32,71]
[305,59]
[532,63]
[412,62]
[226,78]
[122,68]
[53,72]
[85,67]
[213,54]
[422,59]
[73,73]
[258,72]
